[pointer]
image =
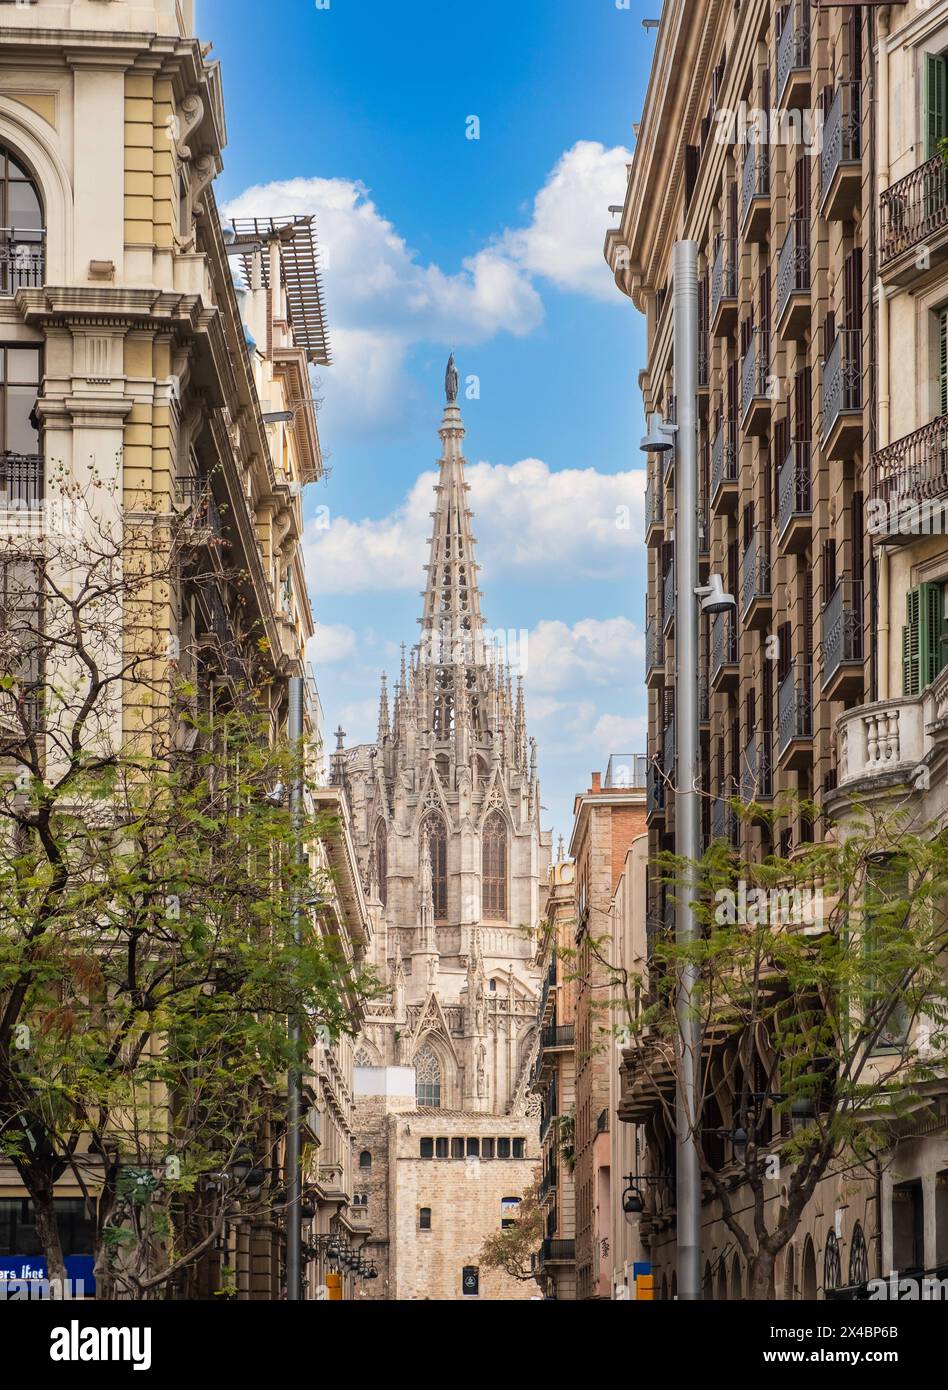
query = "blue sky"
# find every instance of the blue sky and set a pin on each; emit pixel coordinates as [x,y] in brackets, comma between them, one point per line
[359,113]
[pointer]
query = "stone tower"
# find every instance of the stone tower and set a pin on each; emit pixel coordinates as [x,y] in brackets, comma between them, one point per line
[446,809]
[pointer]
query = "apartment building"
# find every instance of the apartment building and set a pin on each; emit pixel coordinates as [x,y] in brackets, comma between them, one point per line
[757,143]
[159,360]
[892,749]
[554,1079]
[607,819]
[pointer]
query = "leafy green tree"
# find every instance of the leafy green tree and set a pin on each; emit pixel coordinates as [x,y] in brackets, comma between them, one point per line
[148,961]
[512,1249]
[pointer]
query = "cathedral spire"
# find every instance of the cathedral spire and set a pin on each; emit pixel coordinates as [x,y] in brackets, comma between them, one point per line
[383,712]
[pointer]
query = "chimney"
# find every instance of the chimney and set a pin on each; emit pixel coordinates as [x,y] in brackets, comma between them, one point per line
[596,782]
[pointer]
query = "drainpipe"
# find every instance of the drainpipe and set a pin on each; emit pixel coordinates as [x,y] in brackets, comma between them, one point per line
[294,1230]
[882,155]
[687,810]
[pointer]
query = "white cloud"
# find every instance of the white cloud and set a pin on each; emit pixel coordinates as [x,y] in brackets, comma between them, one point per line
[331,642]
[527,518]
[593,651]
[382,298]
[564,240]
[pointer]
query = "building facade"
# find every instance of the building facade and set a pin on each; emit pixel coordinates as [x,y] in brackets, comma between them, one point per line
[607,819]
[554,1080]
[757,142]
[446,815]
[157,362]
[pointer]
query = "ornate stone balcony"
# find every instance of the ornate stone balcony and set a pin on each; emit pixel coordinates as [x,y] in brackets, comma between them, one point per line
[914,217]
[887,745]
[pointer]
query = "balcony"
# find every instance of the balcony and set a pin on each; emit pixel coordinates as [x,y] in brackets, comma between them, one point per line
[756,607]
[755,193]
[841,155]
[21,487]
[668,598]
[914,216]
[22,259]
[842,395]
[755,385]
[724,469]
[654,791]
[795,718]
[669,748]
[909,484]
[886,745]
[704,360]
[793,57]
[654,510]
[724,672]
[704,698]
[757,771]
[654,654]
[842,642]
[793,280]
[724,288]
[557,1252]
[558,1038]
[794,500]
[724,821]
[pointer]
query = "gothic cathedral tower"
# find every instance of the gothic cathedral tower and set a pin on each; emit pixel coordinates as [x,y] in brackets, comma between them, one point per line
[446,811]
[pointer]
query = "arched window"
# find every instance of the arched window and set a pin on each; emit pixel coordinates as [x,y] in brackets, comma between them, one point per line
[381,861]
[858,1257]
[428,1079]
[494,867]
[437,837]
[365,1159]
[362,1058]
[21,227]
[808,1278]
[831,1263]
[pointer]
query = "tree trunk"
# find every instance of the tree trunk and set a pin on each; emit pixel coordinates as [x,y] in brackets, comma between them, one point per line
[760,1284]
[47,1230]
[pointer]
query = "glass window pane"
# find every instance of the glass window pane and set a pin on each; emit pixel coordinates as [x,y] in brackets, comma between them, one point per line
[23,365]
[21,437]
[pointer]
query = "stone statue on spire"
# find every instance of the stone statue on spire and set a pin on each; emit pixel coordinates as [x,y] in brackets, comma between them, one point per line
[451,381]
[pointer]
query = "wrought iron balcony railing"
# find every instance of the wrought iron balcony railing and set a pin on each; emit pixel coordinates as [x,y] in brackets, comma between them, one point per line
[793,45]
[842,378]
[557,1252]
[794,485]
[755,370]
[793,271]
[21,482]
[668,596]
[724,455]
[842,132]
[757,773]
[654,788]
[22,259]
[842,628]
[704,359]
[756,570]
[910,475]
[654,646]
[723,273]
[559,1035]
[669,747]
[724,822]
[654,502]
[723,642]
[755,181]
[795,706]
[914,210]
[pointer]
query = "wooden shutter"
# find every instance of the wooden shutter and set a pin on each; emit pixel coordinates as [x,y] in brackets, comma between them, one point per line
[943,362]
[931,628]
[911,668]
[852,276]
[936,102]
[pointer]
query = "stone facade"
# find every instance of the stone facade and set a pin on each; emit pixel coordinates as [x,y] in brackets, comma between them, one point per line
[446,815]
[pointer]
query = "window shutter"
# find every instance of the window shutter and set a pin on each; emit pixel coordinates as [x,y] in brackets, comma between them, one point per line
[943,362]
[910,644]
[936,103]
[931,628]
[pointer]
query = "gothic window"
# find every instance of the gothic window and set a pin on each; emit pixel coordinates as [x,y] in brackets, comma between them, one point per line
[365,1159]
[858,1257]
[427,1080]
[494,867]
[362,1058]
[381,861]
[831,1262]
[21,227]
[438,843]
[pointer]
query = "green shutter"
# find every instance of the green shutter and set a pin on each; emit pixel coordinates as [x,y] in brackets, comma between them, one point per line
[943,362]
[936,102]
[910,642]
[932,628]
